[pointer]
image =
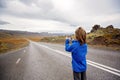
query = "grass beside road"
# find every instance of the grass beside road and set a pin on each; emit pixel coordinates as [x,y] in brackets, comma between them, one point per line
[13,43]
[36,38]
[56,39]
[9,44]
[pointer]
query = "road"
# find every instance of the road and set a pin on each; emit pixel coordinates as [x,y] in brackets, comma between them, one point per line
[45,61]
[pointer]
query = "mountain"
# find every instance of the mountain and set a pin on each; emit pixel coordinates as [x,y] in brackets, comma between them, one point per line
[11,33]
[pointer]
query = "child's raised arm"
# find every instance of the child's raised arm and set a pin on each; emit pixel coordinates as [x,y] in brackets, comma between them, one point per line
[68,47]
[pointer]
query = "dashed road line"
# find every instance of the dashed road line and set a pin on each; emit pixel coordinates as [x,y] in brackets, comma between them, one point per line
[18,60]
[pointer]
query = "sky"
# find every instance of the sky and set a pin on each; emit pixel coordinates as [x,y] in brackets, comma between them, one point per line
[58,15]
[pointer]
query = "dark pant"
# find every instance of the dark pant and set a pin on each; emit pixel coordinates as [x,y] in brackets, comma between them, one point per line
[79,75]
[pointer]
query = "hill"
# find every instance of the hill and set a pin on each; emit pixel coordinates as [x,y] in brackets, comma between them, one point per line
[107,37]
[11,33]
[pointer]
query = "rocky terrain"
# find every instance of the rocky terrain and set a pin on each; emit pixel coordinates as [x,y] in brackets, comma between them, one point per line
[109,36]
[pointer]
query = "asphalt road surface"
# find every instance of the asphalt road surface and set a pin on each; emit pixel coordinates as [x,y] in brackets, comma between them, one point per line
[43,61]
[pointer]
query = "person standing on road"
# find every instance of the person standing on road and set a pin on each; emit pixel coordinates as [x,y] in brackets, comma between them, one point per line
[78,48]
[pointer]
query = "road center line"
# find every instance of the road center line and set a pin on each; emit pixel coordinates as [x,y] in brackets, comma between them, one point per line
[94,64]
[18,60]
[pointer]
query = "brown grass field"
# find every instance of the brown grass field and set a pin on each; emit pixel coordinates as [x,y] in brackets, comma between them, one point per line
[13,43]
[8,44]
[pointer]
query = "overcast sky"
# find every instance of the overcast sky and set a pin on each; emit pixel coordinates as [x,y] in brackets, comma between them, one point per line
[58,15]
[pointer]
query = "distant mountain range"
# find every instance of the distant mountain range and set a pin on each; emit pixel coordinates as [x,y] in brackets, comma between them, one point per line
[11,33]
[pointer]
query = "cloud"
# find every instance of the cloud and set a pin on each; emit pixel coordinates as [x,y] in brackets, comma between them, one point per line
[70,13]
[2,3]
[36,25]
[3,22]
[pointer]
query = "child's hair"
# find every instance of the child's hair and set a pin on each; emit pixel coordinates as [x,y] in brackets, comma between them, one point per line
[80,35]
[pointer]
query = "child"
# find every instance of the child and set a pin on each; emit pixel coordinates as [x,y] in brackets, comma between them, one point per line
[78,48]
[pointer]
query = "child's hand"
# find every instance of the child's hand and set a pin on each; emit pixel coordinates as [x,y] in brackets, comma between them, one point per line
[68,37]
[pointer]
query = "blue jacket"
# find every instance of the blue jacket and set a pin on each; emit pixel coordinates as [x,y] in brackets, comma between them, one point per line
[78,55]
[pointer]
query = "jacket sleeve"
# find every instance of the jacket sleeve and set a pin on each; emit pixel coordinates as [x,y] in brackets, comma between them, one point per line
[68,47]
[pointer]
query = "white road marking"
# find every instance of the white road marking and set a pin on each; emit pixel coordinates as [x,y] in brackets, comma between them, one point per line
[18,60]
[110,68]
[105,69]
[94,64]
